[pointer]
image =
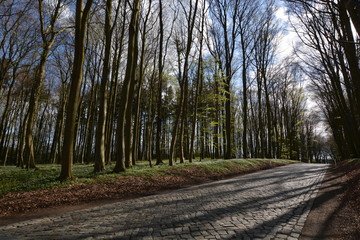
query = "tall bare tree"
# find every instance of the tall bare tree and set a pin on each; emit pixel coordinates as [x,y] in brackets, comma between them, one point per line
[160,85]
[82,14]
[100,145]
[127,91]
[224,34]
[199,77]
[335,77]
[49,31]
[191,14]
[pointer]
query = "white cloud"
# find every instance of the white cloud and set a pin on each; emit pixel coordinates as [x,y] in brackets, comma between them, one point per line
[281,14]
[288,37]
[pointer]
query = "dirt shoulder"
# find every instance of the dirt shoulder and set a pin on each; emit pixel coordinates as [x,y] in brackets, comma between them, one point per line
[336,210]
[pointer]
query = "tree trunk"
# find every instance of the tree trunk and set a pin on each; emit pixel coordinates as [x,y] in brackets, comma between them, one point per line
[353,8]
[199,82]
[245,100]
[126,89]
[160,87]
[184,84]
[75,85]
[101,126]
[32,110]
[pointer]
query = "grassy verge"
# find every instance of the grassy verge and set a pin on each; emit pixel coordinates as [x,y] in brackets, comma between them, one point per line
[25,191]
[15,180]
[354,160]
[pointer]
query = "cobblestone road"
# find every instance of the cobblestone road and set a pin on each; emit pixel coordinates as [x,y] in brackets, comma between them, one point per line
[271,204]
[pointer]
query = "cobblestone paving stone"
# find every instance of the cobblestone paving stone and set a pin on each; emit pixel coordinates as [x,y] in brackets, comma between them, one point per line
[271,204]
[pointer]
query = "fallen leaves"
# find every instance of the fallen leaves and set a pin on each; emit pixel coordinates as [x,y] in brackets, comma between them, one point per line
[120,188]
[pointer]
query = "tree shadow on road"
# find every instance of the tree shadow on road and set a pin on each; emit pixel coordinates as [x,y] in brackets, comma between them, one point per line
[195,220]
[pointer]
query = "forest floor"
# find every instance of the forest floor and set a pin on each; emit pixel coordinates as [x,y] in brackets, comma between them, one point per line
[27,203]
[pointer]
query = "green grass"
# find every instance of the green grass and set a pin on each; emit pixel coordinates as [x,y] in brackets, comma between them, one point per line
[14,179]
[354,160]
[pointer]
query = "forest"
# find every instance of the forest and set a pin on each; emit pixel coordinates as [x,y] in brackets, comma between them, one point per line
[101,81]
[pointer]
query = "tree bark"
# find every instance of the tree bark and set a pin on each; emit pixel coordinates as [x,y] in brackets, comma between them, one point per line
[82,14]
[184,83]
[160,87]
[126,90]
[103,95]
[199,82]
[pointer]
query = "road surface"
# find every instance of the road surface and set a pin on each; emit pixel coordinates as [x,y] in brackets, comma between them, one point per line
[270,204]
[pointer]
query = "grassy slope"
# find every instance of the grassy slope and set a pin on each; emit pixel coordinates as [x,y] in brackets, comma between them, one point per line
[24,191]
[354,160]
[14,179]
